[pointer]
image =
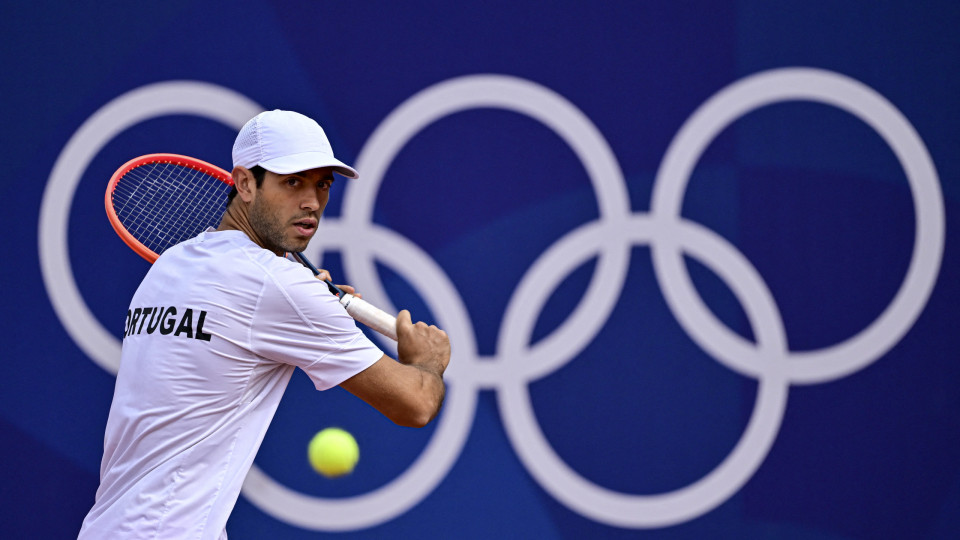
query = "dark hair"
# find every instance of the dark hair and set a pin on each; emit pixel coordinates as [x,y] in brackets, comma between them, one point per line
[258,174]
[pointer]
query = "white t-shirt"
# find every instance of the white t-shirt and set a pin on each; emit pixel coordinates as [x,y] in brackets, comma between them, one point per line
[212,336]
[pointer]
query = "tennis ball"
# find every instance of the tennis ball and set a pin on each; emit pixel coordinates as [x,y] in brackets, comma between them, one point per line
[333,452]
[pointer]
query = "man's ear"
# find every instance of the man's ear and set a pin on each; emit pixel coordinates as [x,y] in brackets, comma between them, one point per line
[245,183]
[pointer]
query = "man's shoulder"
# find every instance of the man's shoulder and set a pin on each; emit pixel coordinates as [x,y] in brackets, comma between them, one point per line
[223,248]
[229,256]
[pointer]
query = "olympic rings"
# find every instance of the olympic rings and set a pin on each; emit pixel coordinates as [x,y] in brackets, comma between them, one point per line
[516,362]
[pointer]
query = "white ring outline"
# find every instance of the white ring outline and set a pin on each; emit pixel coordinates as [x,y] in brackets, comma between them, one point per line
[453,425]
[358,237]
[541,104]
[141,104]
[659,510]
[801,84]
[159,99]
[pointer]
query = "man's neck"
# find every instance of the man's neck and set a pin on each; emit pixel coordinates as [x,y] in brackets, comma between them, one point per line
[235,218]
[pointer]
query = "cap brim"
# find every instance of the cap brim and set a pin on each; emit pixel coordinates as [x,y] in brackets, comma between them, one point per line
[306,161]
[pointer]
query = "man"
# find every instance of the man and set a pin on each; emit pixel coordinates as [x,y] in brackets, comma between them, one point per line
[214,333]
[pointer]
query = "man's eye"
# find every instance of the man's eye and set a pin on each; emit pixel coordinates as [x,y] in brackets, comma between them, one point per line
[292,181]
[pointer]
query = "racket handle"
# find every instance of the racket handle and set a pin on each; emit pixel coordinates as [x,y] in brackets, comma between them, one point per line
[370,315]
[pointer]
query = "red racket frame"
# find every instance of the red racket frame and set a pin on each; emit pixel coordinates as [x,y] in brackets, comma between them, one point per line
[177,159]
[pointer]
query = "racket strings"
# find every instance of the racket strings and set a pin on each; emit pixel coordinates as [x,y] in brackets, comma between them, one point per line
[162,204]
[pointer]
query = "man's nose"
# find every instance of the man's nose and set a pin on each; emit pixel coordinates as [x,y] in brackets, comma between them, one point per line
[310,201]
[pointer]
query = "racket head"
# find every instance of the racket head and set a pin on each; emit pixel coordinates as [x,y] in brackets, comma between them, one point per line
[158,200]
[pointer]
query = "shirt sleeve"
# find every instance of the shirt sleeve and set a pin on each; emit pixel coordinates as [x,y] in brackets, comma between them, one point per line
[297,321]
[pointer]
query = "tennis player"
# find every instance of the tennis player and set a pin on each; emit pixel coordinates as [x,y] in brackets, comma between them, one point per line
[215,331]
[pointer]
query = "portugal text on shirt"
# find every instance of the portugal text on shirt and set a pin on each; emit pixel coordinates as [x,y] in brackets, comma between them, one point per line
[166,321]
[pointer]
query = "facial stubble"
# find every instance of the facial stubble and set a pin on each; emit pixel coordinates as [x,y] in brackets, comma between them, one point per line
[271,228]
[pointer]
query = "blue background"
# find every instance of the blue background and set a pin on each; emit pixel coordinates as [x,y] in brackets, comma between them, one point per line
[811,196]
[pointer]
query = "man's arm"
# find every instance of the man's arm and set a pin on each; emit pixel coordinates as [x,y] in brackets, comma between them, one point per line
[409,391]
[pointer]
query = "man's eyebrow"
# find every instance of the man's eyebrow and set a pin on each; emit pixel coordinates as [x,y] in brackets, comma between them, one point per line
[328,176]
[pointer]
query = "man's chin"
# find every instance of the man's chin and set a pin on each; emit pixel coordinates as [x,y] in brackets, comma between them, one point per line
[296,246]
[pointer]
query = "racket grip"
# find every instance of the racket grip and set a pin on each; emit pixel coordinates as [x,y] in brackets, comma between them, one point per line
[370,315]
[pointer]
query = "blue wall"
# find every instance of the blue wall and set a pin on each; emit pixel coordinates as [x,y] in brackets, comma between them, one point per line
[697,258]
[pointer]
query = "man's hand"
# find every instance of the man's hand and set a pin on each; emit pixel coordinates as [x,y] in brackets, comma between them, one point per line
[409,392]
[423,346]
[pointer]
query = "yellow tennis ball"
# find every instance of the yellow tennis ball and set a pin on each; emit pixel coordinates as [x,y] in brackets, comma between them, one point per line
[333,452]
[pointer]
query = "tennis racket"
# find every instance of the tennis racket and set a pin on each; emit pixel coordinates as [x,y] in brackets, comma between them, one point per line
[158,200]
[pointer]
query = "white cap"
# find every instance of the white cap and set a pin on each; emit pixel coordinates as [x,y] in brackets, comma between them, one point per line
[285,142]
